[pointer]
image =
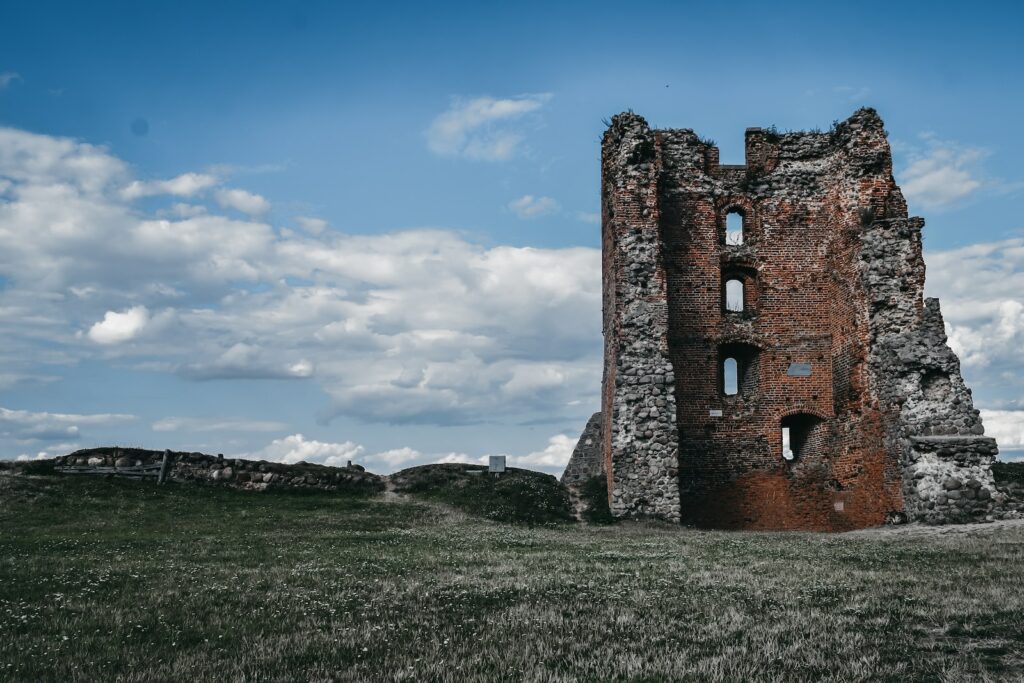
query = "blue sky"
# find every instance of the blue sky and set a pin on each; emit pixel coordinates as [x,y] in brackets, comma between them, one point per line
[328,231]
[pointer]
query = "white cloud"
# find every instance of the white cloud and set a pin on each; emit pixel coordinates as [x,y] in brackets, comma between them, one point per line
[51,451]
[25,425]
[29,417]
[479,129]
[184,185]
[297,448]
[62,167]
[529,206]
[116,328]
[982,292]
[1007,426]
[215,424]
[246,361]
[314,226]
[942,175]
[184,210]
[553,458]
[240,200]
[412,326]
[588,217]
[8,77]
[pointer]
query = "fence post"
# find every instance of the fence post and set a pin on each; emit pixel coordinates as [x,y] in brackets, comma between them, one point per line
[163,467]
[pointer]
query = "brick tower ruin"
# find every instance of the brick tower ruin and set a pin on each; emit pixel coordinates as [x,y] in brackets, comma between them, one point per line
[770,360]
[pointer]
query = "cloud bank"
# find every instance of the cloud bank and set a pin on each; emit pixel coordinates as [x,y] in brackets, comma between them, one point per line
[418,326]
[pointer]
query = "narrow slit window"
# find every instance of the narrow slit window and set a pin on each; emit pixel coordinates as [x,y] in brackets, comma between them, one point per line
[730,377]
[734,228]
[734,295]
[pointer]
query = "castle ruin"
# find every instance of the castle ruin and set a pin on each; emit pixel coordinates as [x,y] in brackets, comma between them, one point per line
[770,360]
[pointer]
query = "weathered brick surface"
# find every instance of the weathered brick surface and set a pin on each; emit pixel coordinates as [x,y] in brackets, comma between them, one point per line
[832,281]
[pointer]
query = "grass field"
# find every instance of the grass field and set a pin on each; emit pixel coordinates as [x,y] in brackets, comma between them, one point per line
[116,580]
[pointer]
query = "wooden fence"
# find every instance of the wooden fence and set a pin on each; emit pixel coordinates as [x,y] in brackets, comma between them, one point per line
[156,471]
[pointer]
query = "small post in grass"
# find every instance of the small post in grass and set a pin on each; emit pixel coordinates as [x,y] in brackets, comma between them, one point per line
[163,467]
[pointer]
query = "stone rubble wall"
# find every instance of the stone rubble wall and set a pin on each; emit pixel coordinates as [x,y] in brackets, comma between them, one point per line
[949,480]
[639,412]
[586,461]
[235,472]
[932,425]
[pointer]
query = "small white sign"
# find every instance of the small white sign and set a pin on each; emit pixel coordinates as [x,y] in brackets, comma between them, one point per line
[497,463]
[715,413]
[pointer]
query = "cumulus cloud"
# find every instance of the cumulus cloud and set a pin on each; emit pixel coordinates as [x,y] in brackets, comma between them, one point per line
[116,328]
[482,128]
[119,327]
[297,448]
[217,424]
[982,291]
[38,164]
[413,326]
[529,206]
[588,217]
[1007,426]
[552,459]
[240,200]
[184,185]
[396,459]
[942,175]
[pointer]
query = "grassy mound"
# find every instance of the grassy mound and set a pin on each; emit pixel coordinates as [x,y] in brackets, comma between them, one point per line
[517,496]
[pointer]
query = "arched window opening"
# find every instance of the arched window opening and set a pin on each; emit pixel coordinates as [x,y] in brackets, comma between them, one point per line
[734,295]
[787,445]
[730,377]
[738,368]
[734,228]
[739,288]
[802,434]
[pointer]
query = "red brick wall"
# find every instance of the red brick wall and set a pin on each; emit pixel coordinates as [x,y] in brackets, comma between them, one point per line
[803,305]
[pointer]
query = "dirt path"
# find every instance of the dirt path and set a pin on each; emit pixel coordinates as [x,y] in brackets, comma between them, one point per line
[390,494]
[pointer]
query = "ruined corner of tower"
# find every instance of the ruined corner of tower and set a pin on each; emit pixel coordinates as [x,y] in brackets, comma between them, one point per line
[770,360]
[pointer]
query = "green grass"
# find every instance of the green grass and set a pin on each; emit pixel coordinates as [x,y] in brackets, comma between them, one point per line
[122,581]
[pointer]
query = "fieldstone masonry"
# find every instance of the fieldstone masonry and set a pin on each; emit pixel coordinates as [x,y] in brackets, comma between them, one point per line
[257,475]
[790,375]
[586,461]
